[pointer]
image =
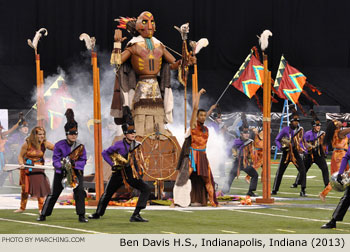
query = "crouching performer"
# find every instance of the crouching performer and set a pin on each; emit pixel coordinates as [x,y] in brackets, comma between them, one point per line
[69,159]
[126,162]
[242,152]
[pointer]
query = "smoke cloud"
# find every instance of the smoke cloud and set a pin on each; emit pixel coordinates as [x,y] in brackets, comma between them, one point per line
[79,80]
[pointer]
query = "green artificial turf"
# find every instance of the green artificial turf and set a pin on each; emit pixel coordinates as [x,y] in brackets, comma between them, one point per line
[289,215]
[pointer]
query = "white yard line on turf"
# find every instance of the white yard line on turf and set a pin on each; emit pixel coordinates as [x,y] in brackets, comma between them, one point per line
[285,230]
[290,193]
[284,216]
[31,214]
[343,230]
[185,211]
[230,232]
[165,232]
[321,208]
[279,209]
[52,226]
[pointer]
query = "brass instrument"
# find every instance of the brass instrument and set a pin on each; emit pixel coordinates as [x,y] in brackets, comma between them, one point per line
[345,180]
[310,146]
[70,179]
[285,143]
[118,160]
[234,152]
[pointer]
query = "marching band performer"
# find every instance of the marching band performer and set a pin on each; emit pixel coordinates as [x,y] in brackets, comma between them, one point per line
[193,158]
[338,139]
[257,150]
[68,152]
[242,152]
[344,203]
[290,141]
[126,169]
[33,181]
[315,151]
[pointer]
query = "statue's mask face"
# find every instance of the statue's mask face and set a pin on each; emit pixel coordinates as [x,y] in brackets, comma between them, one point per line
[145,24]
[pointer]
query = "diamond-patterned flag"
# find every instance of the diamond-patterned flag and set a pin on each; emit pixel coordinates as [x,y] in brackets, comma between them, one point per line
[57,104]
[289,81]
[250,76]
[57,100]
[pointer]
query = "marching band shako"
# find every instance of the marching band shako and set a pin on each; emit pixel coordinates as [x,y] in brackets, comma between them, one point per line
[345,180]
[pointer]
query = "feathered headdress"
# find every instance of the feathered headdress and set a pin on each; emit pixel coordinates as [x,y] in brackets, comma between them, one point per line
[245,125]
[128,24]
[71,124]
[315,121]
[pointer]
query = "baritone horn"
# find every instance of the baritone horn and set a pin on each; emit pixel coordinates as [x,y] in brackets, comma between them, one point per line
[345,180]
[70,179]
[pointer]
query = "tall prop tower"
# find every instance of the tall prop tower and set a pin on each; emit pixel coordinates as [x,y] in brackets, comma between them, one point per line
[90,45]
[266,179]
[39,76]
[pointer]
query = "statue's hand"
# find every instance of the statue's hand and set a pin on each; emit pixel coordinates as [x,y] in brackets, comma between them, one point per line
[176,64]
[192,59]
[118,36]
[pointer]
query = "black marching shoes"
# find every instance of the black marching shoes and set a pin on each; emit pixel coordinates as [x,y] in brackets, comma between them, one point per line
[82,218]
[331,224]
[303,193]
[41,218]
[137,218]
[94,216]
[252,194]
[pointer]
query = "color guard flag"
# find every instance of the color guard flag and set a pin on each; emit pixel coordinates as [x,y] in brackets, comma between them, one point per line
[250,76]
[289,82]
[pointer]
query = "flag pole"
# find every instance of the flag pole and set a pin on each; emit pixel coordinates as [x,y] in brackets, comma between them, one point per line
[229,84]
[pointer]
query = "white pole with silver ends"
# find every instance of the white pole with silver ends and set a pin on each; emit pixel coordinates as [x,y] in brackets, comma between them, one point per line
[11,167]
